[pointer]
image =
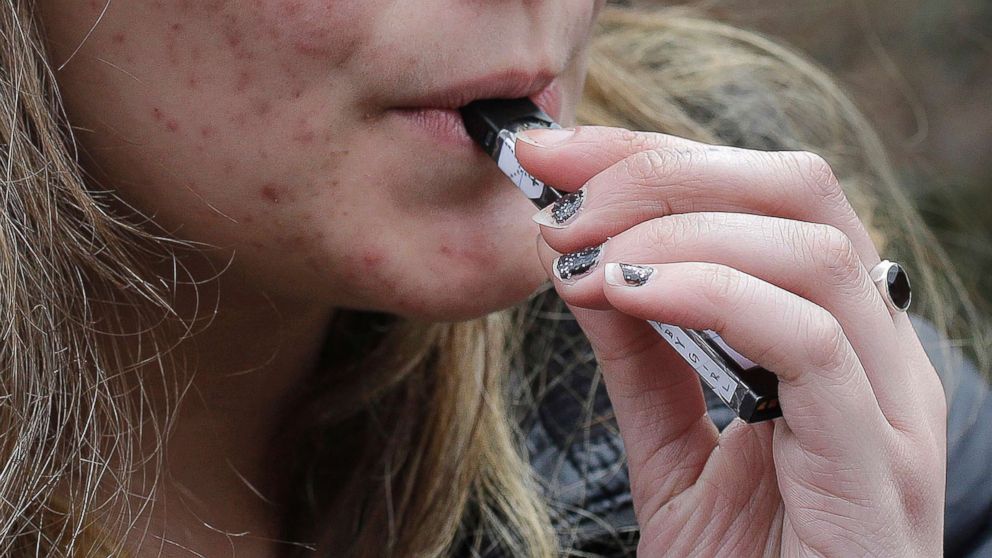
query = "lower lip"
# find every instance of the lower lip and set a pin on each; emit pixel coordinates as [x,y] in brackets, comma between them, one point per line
[446,125]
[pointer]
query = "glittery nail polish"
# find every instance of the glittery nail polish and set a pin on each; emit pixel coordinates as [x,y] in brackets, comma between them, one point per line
[569,266]
[562,210]
[627,275]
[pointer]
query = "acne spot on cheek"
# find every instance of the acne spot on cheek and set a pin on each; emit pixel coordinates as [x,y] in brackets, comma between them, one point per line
[372,259]
[207,132]
[118,38]
[270,193]
[262,107]
[171,124]
[172,50]
[324,29]
[368,267]
[291,70]
[243,81]
[239,119]
[468,256]
[303,136]
[303,133]
[290,8]
[298,242]
[234,37]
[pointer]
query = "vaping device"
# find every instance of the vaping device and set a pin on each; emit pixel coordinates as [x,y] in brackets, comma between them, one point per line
[748,389]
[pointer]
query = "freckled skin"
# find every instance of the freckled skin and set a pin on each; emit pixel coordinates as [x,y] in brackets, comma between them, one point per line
[278,111]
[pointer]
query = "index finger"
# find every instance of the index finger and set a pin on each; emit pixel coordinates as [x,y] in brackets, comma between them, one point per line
[591,149]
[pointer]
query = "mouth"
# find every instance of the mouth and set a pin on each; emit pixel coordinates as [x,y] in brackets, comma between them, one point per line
[437,113]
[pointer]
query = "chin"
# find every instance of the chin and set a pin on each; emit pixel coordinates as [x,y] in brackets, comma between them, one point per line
[466,294]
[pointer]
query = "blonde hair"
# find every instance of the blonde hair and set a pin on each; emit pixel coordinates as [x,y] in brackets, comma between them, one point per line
[423,442]
[68,408]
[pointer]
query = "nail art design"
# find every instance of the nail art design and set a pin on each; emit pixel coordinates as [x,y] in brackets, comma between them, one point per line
[636,275]
[566,206]
[578,263]
[562,210]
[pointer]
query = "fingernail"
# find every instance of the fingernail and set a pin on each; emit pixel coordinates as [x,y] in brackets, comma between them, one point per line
[627,275]
[568,267]
[545,137]
[559,213]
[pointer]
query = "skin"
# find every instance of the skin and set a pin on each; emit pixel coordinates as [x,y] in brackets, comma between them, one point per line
[263,128]
[761,247]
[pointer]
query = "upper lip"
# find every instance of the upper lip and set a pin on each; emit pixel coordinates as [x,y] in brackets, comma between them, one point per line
[505,84]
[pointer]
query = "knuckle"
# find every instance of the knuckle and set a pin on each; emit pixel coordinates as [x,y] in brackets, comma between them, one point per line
[648,166]
[816,175]
[826,346]
[723,287]
[835,255]
[672,230]
[632,140]
[653,167]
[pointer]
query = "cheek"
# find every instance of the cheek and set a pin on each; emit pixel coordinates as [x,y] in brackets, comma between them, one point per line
[316,28]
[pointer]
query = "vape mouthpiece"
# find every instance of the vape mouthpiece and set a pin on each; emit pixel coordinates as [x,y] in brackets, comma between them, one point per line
[493,124]
[485,118]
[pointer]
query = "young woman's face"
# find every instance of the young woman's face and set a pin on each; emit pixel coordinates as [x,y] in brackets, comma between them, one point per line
[271,127]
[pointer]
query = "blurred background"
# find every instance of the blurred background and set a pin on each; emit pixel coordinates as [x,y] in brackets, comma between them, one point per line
[922,72]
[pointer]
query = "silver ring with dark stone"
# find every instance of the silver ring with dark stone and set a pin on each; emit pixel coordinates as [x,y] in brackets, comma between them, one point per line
[893,283]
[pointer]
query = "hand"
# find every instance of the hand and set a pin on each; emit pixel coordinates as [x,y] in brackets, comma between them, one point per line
[765,249]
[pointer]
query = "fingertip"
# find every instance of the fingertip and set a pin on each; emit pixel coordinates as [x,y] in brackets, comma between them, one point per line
[543,138]
[545,217]
[613,275]
[545,253]
[627,275]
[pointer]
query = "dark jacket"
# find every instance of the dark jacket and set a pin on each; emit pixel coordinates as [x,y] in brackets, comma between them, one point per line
[576,449]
